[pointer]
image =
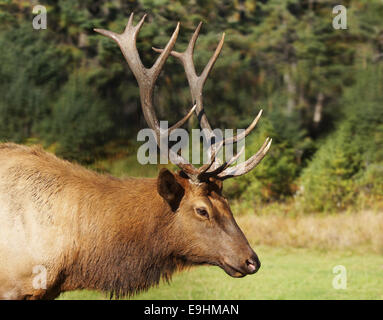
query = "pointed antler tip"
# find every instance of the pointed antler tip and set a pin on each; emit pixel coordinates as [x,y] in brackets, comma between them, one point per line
[142,20]
[144,17]
[98,30]
[107,33]
[102,31]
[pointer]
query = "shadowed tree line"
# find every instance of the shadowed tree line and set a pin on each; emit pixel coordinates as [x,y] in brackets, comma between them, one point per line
[70,89]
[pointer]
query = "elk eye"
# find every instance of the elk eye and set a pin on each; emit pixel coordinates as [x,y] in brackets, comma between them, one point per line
[202,212]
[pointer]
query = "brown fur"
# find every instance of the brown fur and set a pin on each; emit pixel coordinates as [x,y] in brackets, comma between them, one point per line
[92,231]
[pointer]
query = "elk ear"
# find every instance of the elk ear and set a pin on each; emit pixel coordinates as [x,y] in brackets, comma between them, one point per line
[169,188]
[217,184]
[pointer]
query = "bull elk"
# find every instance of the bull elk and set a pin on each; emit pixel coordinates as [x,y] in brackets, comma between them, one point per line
[122,236]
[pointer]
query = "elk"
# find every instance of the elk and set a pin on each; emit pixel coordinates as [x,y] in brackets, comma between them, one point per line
[85,230]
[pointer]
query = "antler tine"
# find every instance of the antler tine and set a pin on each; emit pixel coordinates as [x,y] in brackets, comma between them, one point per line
[248,165]
[225,165]
[193,39]
[181,122]
[145,77]
[212,61]
[245,133]
[213,153]
[157,67]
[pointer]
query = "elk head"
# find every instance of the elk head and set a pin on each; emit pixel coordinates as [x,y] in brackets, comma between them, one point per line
[203,222]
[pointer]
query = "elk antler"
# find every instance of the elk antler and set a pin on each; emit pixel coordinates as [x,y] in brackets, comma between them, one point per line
[146,79]
[196,83]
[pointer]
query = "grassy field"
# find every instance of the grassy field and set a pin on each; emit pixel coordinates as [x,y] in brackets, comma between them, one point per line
[287,273]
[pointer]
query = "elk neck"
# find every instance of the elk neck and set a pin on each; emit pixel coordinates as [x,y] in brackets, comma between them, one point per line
[124,237]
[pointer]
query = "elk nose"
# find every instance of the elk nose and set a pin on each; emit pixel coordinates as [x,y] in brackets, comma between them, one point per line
[253,264]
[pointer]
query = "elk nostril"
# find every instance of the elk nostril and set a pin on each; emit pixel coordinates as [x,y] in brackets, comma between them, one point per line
[251,265]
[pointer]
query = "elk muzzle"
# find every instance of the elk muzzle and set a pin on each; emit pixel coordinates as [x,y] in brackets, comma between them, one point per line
[240,264]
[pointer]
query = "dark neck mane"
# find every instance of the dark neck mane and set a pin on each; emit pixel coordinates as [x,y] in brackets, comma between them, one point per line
[131,258]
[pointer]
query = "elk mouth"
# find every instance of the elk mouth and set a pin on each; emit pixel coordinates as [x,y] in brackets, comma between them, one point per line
[232,271]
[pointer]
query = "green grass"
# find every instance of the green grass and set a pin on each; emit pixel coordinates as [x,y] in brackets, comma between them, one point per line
[285,274]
